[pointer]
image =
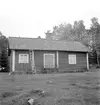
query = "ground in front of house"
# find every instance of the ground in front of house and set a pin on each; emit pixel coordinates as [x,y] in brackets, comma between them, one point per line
[59,89]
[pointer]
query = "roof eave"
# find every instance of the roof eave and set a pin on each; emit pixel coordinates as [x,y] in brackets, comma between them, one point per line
[49,49]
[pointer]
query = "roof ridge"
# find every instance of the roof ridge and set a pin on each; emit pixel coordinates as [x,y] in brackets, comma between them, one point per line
[27,38]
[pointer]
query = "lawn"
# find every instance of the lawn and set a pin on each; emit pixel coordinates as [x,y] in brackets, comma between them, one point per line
[59,89]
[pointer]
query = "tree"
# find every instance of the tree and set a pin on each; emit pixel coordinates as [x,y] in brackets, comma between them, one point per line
[79,30]
[4,61]
[69,32]
[4,52]
[61,32]
[95,31]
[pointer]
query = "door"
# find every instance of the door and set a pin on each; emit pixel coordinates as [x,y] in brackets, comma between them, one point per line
[49,60]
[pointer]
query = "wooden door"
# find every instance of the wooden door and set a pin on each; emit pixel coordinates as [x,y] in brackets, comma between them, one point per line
[49,60]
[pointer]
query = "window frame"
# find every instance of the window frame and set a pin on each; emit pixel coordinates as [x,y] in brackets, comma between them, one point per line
[72,61]
[24,60]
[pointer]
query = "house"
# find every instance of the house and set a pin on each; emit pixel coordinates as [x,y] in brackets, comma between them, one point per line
[37,54]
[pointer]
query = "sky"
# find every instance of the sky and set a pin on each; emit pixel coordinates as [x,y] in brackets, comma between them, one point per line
[32,18]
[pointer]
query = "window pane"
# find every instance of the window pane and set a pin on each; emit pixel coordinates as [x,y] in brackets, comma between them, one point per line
[23,58]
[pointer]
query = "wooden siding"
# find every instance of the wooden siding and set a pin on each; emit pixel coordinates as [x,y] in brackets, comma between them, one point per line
[64,63]
[39,60]
[81,63]
[21,66]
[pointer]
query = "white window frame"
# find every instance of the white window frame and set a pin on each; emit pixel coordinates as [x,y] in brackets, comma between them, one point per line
[23,60]
[72,58]
[53,59]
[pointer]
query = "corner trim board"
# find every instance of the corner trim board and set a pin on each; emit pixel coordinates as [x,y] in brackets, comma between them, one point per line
[57,59]
[87,58]
[33,61]
[13,60]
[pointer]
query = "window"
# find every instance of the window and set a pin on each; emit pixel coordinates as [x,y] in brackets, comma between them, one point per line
[49,60]
[23,58]
[72,59]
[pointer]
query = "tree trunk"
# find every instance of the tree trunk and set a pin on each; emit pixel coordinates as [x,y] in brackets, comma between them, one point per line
[98,59]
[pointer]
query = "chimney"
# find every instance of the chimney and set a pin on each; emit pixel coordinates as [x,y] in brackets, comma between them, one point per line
[39,37]
[48,36]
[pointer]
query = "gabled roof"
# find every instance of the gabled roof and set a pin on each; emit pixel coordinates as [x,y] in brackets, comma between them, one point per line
[20,43]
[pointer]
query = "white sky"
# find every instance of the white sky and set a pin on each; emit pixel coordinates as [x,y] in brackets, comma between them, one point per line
[31,18]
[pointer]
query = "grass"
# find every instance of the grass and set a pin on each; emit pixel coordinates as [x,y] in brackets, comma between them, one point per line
[4,95]
[59,89]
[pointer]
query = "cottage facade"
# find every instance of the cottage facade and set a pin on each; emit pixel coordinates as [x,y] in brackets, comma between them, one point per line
[41,55]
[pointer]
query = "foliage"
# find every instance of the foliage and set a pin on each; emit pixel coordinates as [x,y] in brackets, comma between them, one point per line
[95,31]
[79,30]
[4,60]
[4,52]
[68,32]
